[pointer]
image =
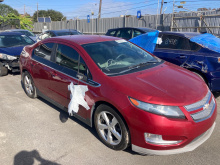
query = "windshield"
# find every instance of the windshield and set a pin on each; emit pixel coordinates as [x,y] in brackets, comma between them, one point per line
[27,33]
[14,40]
[67,33]
[120,56]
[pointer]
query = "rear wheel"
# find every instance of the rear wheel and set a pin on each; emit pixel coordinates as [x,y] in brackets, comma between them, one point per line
[3,70]
[29,87]
[111,128]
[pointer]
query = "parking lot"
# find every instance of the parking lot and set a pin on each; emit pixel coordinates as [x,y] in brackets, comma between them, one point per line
[32,131]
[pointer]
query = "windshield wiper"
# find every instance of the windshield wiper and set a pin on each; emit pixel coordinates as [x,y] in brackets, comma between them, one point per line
[134,67]
[142,64]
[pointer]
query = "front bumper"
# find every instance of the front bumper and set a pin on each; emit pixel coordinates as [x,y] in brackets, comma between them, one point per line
[189,132]
[12,65]
[190,147]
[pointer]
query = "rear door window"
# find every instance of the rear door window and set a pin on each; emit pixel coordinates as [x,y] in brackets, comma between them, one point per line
[194,46]
[44,51]
[174,42]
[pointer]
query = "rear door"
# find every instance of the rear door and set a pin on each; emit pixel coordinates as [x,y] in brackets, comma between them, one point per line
[41,66]
[175,49]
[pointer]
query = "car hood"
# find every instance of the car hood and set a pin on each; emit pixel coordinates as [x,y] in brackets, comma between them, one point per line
[166,84]
[13,51]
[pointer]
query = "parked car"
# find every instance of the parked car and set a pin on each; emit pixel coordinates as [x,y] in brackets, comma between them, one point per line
[55,33]
[11,45]
[127,94]
[128,32]
[177,48]
[25,32]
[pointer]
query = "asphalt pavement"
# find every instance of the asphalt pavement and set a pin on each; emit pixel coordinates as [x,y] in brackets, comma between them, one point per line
[33,131]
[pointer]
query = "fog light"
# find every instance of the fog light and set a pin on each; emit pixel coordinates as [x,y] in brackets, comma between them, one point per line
[157,139]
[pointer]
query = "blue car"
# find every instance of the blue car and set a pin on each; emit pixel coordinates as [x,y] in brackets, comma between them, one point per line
[11,46]
[55,33]
[25,32]
[199,53]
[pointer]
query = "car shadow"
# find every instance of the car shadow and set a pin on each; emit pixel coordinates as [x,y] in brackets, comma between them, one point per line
[30,157]
[64,116]
[216,94]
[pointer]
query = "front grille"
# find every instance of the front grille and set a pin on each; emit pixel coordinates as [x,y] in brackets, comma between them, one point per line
[199,104]
[207,108]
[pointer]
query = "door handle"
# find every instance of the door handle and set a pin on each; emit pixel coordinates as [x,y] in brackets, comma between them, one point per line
[182,56]
[53,74]
[32,64]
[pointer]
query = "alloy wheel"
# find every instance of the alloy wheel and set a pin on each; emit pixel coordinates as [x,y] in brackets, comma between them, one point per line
[28,85]
[109,128]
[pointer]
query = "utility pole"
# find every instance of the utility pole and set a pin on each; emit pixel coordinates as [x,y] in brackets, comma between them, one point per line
[37,11]
[161,8]
[100,8]
[24,10]
[172,22]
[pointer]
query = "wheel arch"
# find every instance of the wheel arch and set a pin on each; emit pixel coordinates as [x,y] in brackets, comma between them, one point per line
[200,73]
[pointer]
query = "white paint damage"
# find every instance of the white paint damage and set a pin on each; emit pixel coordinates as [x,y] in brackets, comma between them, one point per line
[77,98]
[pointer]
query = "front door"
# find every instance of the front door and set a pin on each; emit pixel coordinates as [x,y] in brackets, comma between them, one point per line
[66,67]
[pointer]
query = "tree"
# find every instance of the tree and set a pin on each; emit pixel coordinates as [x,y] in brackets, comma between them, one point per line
[5,10]
[53,14]
[12,19]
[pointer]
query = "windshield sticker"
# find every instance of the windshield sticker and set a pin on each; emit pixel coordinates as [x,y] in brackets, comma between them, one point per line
[120,41]
[171,41]
[77,97]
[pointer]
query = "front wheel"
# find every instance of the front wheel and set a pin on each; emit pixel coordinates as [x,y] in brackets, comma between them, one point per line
[111,128]
[29,87]
[3,70]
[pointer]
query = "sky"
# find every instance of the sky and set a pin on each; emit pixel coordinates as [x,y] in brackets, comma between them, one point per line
[110,8]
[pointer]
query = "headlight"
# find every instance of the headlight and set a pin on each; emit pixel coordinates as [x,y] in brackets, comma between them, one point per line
[168,111]
[7,57]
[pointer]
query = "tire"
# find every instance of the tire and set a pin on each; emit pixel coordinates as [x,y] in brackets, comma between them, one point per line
[110,128]
[3,70]
[29,86]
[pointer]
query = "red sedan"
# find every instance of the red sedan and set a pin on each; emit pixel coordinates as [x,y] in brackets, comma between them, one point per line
[130,96]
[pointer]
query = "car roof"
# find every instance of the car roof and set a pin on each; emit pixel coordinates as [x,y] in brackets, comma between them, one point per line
[182,34]
[139,28]
[63,30]
[14,30]
[84,39]
[10,33]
